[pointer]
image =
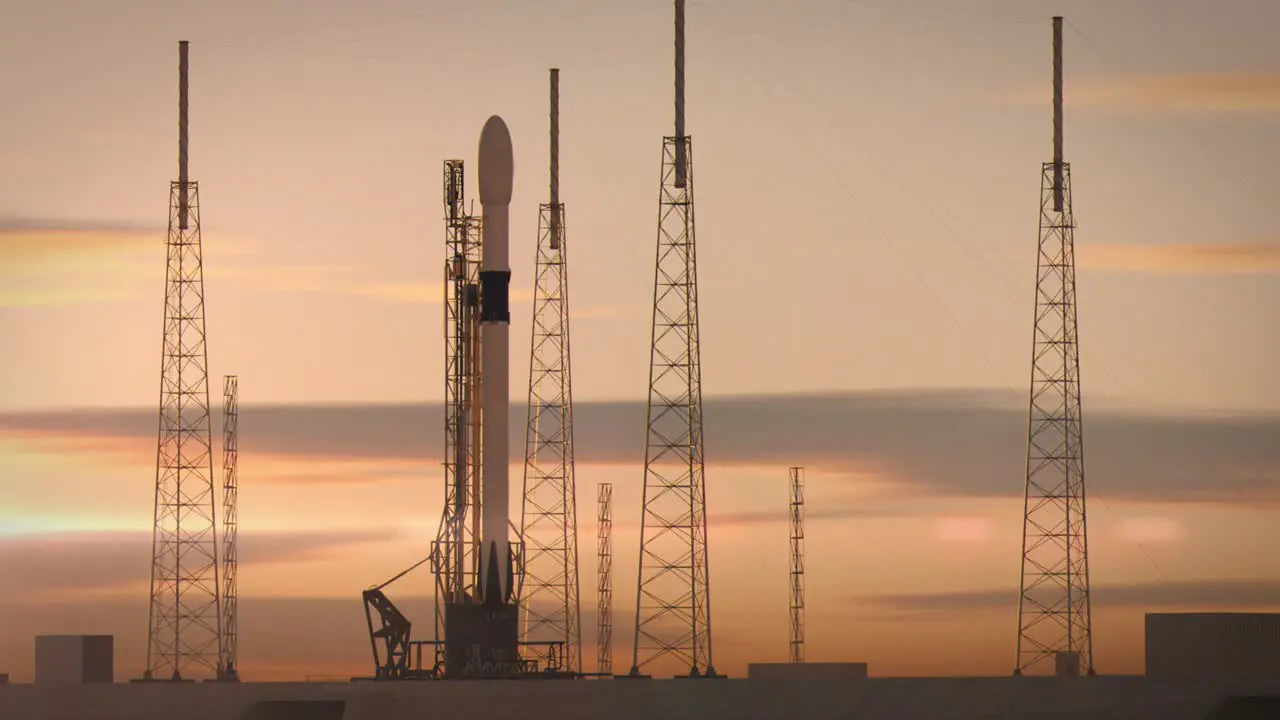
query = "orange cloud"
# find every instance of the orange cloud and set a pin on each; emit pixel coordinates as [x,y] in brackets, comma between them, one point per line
[1151,530]
[963,529]
[63,263]
[1256,258]
[1169,94]
[50,263]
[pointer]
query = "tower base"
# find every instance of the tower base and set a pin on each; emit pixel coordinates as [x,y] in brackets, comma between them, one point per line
[482,641]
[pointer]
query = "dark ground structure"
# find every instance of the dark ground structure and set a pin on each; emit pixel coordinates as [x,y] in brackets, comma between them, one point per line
[1030,698]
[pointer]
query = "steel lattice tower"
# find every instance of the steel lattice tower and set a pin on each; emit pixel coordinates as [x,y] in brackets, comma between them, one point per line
[455,553]
[185,626]
[673,598]
[797,565]
[228,667]
[1053,609]
[550,607]
[604,583]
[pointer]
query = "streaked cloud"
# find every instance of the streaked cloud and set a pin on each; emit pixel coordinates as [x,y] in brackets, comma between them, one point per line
[27,248]
[58,263]
[811,514]
[1151,530]
[1167,93]
[55,563]
[935,443]
[963,529]
[48,262]
[1208,594]
[1255,258]
[49,245]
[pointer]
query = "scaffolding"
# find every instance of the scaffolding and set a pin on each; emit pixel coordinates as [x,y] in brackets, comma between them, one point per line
[797,564]
[228,667]
[604,583]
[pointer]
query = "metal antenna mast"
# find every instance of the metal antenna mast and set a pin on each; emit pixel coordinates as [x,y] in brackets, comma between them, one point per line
[455,559]
[185,625]
[673,597]
[1053,609]
[230,495]
[604,586]
[549,523]
[797,565]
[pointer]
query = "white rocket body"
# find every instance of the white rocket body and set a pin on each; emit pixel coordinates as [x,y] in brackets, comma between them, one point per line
[496,170]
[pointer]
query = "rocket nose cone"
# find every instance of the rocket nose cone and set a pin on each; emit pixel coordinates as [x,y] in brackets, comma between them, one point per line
[497,165]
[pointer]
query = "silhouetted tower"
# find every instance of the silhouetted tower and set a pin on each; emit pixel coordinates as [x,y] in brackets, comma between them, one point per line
[549,518]
[1053,609]
[185,627]
[797,565]
[604,582]
[228,668]
[455,553]
[673,598]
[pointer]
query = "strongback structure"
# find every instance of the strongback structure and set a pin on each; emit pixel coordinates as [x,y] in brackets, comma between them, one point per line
[455,553]
[797,565]
[550,608]
[185,626]
[604,579]
[673,598]
[1053,611]
[228,669]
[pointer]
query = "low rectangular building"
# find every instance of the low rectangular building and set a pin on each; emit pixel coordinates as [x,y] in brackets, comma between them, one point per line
[75,659]
[1235,645]
[807,671]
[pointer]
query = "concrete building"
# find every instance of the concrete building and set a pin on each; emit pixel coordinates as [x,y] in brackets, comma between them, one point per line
[75,659]
[1204,645]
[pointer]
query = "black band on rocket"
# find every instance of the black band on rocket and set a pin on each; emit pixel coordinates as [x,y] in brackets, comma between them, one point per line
[494,286]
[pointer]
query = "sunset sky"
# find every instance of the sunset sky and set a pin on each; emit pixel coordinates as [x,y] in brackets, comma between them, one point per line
[867,191]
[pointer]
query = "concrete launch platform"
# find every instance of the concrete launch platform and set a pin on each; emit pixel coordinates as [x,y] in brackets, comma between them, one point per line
[1098,698]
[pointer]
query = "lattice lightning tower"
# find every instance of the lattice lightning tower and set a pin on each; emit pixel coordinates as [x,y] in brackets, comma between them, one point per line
[455,553]
[673,597]
[1053,610]
[228,668]
[185,625]
[550,607]
[797,565]
[604,574]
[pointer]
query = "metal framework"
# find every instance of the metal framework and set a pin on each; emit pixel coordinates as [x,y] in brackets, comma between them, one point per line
[228,667]
[1054,609]
[604,583]
[185,626]
[550,607]
[673,598]
[797,565]
[455,552]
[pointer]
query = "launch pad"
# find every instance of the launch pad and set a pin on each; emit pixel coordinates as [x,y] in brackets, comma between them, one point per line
[478,555]
[482,641]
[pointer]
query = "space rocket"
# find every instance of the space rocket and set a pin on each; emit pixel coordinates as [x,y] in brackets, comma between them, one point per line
[496,166]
